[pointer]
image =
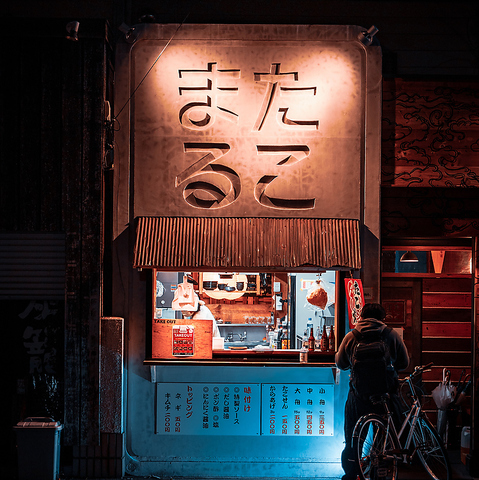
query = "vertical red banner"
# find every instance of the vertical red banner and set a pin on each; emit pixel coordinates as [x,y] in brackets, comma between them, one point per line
[355,299]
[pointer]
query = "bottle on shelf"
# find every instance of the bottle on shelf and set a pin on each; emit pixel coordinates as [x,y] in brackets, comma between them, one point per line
[318,339]
[309,325]
[311,341]
[305,340]
[285,344]
[324,344]
[303,355]
[332,340]
[279,338]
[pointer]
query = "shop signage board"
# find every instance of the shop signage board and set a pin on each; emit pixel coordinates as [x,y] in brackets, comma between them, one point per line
[258,124]
[298,409]
[208,409]
[245,409]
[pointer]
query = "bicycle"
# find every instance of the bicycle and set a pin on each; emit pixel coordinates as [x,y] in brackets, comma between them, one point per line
[377,444]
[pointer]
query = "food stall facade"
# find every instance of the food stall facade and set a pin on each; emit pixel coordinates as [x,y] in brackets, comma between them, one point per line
[247,164]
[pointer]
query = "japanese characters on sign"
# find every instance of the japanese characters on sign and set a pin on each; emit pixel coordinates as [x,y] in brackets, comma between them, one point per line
[355,299]
[190,179]
[208,409]
[40,318]
[298,409]
[183,337]
[226,409]
[258,128]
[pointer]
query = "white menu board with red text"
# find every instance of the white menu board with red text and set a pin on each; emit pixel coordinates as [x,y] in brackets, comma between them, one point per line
[245,409]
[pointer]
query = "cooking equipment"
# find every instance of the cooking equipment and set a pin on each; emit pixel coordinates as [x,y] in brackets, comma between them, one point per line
[210,285]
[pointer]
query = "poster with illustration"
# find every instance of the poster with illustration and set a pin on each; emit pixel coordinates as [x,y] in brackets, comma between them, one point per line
[355,298]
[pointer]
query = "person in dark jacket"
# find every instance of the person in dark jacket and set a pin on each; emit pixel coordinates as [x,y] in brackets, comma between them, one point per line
[372,319]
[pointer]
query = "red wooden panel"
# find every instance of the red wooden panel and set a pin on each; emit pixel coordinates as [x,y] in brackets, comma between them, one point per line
[446,300]
[452,329]
[434,376]
[446,344]
[446,315]
[447,285]
[446,359]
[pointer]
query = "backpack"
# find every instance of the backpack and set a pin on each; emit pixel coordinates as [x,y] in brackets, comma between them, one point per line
[369,364]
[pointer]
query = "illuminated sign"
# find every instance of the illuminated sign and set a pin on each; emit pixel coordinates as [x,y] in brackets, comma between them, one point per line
[298,410]
[250,127]
[208,409]
[245,409]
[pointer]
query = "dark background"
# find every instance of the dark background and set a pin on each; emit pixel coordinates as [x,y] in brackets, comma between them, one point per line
[56,176]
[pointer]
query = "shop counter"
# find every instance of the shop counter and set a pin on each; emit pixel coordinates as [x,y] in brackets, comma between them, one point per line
[254,413]
[253,357]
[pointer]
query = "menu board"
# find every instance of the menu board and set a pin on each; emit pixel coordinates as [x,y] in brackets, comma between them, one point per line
[245,409]
[208,409]
[298,409]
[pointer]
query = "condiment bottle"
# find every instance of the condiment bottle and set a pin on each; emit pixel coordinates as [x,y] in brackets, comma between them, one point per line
[332,340]
[279,338]
[311,340]
[324,344]
[303,355]
[317,344]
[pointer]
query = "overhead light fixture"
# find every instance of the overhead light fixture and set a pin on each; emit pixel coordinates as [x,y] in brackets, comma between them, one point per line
[366,37]
[72,29]
[147,18]
[409,257]
[130,32]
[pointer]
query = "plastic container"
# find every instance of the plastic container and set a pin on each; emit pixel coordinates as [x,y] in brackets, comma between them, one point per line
[465,443]
[303,355]
[38,448]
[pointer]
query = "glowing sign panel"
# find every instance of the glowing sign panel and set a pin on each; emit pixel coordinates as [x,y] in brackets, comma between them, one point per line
[208,409]
[298,410]
[271,128]
[236,409]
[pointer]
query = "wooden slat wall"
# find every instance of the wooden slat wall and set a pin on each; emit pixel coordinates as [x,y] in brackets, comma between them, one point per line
[446,334]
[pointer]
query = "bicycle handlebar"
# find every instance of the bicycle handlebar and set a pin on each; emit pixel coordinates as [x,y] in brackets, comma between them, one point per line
[426,367]
[418,370]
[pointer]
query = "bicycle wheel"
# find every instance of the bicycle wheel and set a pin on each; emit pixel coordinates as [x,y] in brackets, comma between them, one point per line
[372,444]
[431,451]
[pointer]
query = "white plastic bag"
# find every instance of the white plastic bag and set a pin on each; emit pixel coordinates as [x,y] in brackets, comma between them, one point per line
[320,295]
[444,393]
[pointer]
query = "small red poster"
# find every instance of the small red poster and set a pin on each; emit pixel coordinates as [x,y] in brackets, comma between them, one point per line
[183,340]
[355,298]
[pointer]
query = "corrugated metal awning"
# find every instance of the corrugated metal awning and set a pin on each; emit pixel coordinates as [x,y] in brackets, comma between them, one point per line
[246,243]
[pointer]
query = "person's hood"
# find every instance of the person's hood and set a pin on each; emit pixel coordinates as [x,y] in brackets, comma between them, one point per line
[370,325]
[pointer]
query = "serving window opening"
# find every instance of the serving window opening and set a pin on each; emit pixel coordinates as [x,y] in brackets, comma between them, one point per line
[245,312]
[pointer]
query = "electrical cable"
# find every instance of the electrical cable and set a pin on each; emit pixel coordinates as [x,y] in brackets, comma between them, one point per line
[151,68]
